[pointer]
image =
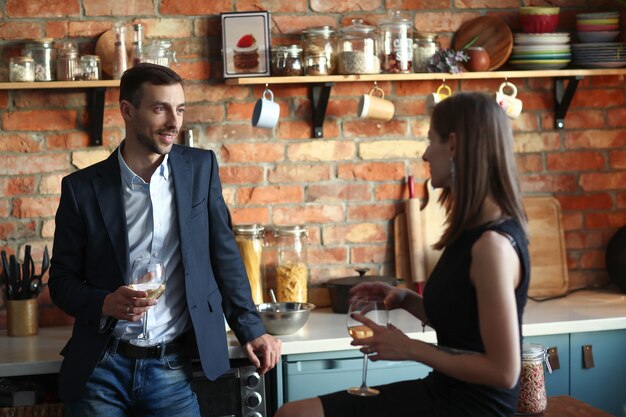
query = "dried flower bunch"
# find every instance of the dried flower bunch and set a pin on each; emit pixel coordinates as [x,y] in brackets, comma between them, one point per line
[447,60]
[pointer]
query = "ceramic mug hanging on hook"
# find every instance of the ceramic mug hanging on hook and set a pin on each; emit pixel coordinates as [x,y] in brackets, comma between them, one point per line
[443,92]
[266,111]
[373,106]
[511,105]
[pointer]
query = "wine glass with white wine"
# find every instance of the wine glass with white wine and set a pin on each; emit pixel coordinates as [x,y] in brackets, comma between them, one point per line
[147,274]
[375,310]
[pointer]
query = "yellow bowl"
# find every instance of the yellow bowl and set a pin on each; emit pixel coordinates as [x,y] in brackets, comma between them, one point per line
[598,21]
[539,10]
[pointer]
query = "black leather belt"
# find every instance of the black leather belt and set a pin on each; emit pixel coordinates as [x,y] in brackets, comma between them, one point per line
[139,352]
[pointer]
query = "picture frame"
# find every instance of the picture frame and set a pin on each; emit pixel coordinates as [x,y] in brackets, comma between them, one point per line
[246,44]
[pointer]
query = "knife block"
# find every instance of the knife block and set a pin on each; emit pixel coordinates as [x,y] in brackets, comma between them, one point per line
[22,317]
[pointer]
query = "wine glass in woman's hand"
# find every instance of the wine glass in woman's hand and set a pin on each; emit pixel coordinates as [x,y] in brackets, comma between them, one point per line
[375,310]
[147,274]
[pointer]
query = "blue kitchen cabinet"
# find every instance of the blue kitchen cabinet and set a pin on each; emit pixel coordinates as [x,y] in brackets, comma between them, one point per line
[557,382]
[309,375]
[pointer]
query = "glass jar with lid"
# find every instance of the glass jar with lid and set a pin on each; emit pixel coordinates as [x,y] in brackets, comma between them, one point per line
[425,46]
[43,53]
[532,398]
[90,67]
[397,44]
[319,50]
[287,60]
[68,65]
[21,69]
[159,52]
[358,49]
[250,239]
[292,274]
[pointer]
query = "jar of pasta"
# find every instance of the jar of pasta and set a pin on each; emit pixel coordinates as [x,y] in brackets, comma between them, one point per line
[250,240]
[292,273]
[532,397]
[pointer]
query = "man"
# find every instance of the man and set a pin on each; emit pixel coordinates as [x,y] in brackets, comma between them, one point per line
[149,198]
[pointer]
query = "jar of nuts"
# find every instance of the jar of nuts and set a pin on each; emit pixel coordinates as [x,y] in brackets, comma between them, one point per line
[532,397]
[287,60]
[319,50]
[21,69]
[397,44]
[358,49]
[292,273]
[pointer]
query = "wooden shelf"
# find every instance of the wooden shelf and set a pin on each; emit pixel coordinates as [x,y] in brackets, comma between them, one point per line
[59,84]
[306,79]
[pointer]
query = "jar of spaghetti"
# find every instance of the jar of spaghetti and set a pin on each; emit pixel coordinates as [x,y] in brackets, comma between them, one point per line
[292,273]
[532,397]
[250,240]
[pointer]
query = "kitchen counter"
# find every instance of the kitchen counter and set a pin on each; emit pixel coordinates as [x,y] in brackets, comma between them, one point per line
[581,311]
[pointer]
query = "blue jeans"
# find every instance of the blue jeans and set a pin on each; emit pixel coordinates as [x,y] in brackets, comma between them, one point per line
[122,387]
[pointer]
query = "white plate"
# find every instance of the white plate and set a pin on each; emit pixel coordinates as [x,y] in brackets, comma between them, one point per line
[557,49]
[541,38]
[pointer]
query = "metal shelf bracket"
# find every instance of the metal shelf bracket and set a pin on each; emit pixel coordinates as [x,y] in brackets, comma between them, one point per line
[319,94]
[95,107]
[563,98]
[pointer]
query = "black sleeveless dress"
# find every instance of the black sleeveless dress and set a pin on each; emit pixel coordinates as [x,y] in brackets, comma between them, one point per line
[451,306]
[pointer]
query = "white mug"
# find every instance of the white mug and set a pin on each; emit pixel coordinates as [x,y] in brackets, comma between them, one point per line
[375,108]
[511,105]
[442,93]
[266,111]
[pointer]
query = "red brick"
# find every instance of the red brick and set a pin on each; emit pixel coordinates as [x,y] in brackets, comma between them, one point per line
[372,212]
[299,173]
[370,254]
[241,174]
[355,233]
[239,111]
[595,139]
[321,150]
[618,159]
[596,201]
[529,163]
[327,255]
[269,194]
[585,119]
[575,161]
[307,214]
[204,113]
[338,192]
[224,132]
[252,152]
[51,99]
[442,22]
[19,142]
[616,117]
[12,186]
[621,200]
[302,129]
[389,191]
[42,8]
[417,4]
[119,8]
[4,208]
[198,70]
[593,260]
[39,120]
[32,164]
[27,207]
[600,98]
[371,171]
[16,30]
[17,230]
[246,215]
[332,6]
[613,219]
[70,140]
[548,183]
[603,181]
[572,221]
[194,7]
[276,6]
[594,239]
[367,128]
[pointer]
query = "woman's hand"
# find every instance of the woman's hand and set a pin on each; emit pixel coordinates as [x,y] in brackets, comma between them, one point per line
[393,296]
[387,343]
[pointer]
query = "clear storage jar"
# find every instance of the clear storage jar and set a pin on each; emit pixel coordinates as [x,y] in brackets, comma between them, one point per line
[250,239]
[287,60]
[397,44]
[532,397]
[292,273]
[90,67]
[319,50]
[21,69]
[425,46]
[68,65]
[358,49]
[44,55]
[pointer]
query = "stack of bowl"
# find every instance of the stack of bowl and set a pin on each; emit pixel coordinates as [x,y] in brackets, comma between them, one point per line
[597,27]
[539,46]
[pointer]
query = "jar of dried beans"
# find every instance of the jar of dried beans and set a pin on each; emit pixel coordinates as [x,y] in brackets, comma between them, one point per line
[358,49]
[21,69]
[319,50]
[250,240]
[425,46]
[287,60]
[292,273]
[532,397]
[43,53]
[397,44]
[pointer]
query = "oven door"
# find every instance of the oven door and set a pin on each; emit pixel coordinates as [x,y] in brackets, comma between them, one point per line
[240,392]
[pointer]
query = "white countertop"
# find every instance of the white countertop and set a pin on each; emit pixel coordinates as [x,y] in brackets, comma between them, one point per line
[581,311]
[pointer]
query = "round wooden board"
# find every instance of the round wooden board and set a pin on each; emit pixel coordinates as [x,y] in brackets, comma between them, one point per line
[493,34]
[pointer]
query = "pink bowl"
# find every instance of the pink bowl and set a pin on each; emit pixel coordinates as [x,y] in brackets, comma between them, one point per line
[539,23]
[596,28]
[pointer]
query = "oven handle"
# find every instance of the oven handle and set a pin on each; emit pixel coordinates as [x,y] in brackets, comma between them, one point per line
[231,373]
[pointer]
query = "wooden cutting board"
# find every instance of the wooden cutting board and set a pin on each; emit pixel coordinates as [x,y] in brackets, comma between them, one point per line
[433,220]
[492,33]
[548,272]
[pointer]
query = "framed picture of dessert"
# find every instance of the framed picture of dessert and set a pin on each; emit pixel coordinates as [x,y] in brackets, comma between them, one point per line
[246,44]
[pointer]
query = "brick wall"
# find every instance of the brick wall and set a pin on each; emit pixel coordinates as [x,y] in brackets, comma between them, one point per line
[347,186]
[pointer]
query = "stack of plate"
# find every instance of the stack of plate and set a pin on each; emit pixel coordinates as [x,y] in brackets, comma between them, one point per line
[533,51]
[597,27]
[599,55]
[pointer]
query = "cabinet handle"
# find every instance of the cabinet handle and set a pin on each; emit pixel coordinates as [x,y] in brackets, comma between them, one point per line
[588,357]
[553,358]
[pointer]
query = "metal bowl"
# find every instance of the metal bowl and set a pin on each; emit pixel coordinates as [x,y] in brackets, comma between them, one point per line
[284,318]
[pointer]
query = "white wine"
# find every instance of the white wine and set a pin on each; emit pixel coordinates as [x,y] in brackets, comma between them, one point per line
[360,332]
[154,290]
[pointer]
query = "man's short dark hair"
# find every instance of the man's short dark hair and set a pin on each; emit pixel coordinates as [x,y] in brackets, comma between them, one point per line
[134,78]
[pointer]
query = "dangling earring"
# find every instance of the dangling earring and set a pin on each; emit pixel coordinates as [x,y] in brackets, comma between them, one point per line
[452,172]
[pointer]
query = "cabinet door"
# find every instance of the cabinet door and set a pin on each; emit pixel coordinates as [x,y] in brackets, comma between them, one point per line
[557,382]
[604,385]
[311,375]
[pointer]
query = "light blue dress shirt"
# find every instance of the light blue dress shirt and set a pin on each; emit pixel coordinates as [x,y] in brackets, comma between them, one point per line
[152,224]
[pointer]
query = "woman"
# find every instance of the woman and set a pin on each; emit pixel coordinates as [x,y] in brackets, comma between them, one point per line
[476,294]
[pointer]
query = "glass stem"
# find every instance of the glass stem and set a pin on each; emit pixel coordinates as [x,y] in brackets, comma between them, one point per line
[145,325]
[364,378]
